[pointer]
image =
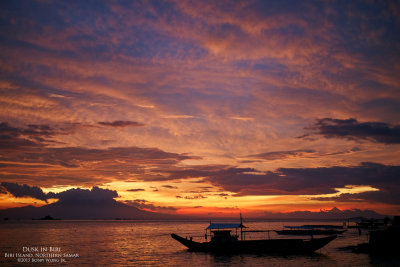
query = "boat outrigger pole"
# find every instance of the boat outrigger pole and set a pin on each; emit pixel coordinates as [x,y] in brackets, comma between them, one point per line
[241,227]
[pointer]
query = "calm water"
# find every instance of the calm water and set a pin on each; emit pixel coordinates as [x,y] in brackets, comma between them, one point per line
[132,243]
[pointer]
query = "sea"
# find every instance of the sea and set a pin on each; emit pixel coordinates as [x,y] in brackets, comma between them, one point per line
[148,243]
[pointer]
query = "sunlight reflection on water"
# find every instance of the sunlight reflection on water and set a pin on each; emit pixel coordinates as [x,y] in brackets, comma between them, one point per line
[133,243]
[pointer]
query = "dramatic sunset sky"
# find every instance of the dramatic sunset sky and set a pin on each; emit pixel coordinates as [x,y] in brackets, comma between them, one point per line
[202,107]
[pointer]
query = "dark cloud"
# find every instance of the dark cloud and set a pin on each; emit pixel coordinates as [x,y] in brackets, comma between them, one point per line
[384,196]
[3,190]
[310,180]
[198,196]
[341,198]
[222,195]
[25,191]
[352,129]
[31,130]
[95,195]
[148,205]
[199,191]
[389,106]
[170,187]
[136,190]
[12,137]
[13,142]
[276,155]
[121,123]
[71,196]
[302,181]
[389,195]
[31,136]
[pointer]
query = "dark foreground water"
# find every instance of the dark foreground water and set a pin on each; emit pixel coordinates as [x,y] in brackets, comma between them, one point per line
[133,243]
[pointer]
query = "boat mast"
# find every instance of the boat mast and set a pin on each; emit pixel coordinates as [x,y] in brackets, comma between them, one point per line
[241,227]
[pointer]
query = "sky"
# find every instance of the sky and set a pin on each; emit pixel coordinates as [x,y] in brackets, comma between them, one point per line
[202,107]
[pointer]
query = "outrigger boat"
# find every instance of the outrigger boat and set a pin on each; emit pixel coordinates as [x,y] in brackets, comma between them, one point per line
[223,241]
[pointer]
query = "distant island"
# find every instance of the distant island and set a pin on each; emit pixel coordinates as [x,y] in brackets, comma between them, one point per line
[46,218]
[110,209]
[107,210]
[332,214]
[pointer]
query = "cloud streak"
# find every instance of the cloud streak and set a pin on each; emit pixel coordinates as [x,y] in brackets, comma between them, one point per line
[275,155]
[121,123]
[136,190]
[148,205]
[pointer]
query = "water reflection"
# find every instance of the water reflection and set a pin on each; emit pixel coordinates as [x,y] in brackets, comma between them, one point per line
[122,243]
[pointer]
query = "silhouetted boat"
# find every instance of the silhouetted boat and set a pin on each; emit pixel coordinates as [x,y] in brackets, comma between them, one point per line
[222,241]
[384,242]
[370,224]
[309,230]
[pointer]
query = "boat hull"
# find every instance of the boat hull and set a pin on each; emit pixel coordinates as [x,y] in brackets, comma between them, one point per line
[287,246]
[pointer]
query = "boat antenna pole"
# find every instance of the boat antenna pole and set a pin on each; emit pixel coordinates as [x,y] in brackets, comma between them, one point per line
[241,227]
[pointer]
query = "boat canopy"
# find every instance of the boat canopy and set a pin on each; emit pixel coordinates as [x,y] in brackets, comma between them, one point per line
[224,226]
